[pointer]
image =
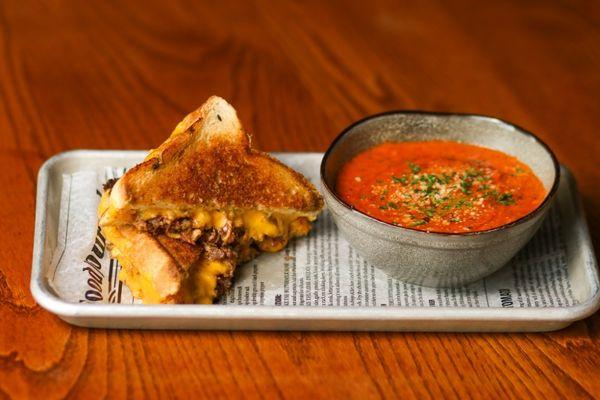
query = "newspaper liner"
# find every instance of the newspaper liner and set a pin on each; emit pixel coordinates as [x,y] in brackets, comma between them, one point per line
[319,270]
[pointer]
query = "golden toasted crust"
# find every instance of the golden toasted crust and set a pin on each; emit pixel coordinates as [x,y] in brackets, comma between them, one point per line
[208,162]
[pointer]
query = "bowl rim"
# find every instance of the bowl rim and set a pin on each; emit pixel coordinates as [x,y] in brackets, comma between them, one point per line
[530,215]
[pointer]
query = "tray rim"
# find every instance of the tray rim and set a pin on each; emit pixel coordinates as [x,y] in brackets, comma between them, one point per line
[66,310]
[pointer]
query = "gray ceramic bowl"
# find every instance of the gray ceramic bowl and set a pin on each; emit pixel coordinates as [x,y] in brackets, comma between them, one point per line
[436,259]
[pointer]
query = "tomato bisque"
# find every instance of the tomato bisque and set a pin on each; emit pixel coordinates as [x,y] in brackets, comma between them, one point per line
[440,186]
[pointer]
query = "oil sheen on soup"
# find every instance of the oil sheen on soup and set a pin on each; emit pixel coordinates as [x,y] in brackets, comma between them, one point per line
[439,186]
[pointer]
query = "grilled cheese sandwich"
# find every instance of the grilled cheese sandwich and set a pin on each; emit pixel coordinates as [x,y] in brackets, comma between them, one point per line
[199,205]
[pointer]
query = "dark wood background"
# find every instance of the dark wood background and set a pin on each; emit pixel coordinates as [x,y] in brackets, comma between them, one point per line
[120,75]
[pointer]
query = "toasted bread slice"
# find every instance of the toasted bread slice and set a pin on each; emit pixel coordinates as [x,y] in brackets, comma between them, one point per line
[207,164]
[201,203]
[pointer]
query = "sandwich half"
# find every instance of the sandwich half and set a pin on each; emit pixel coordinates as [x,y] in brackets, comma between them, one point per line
[199,205]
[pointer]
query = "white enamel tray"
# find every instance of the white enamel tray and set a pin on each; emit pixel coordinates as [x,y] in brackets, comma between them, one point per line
[501,310]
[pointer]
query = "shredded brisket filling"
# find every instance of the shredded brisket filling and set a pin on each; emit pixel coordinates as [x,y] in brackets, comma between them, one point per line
[223,285]
[218,244]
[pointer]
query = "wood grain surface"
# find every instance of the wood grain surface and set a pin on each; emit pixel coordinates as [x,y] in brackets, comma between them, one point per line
[120,75]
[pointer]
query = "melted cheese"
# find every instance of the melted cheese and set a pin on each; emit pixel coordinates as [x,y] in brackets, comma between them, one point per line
[206,280]
[258,225]
[141,286]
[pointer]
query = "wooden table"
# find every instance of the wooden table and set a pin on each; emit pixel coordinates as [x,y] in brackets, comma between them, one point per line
[113,75]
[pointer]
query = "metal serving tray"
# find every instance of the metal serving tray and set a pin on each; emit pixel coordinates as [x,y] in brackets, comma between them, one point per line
[579,266]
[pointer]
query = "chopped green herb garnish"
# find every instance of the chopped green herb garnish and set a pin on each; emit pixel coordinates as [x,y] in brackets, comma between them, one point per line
[431,181]
[403,180]
[430,190]
[393,205]
[418,222]
[506,199]
[465,186]
[414,167]
[464,202]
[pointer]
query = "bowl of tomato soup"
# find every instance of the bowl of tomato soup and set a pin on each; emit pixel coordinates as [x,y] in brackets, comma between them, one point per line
[438,199]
